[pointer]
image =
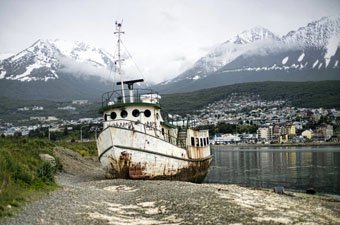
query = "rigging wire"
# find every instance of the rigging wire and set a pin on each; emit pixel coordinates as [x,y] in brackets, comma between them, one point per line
[115,67]
[130,56]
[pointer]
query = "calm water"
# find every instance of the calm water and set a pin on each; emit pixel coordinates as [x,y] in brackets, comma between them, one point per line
[296,168]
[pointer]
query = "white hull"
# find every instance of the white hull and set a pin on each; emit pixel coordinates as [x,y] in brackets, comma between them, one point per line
[131,154]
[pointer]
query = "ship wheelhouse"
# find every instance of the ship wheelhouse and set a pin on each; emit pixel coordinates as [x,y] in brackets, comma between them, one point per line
[136,109]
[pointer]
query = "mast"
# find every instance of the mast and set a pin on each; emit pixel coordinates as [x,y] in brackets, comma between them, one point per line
[119,60]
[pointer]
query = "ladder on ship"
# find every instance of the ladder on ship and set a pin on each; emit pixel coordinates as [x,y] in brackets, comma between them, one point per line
[182,139]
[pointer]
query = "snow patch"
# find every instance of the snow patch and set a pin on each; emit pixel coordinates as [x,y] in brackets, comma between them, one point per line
[301,57]
[295,66]
[28,71]
[332,46]
[315,63]
[2,74]
[196,77]
[336,63]
[284,61]
[320,65]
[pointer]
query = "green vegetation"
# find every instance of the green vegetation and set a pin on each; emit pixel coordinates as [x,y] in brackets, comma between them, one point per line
[324,94]
[21,172]
[23,175]
[86,149]
[88,133]
[225,128]
[300,94]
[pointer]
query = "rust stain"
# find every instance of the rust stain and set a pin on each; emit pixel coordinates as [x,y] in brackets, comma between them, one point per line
[124,167]
[136,171]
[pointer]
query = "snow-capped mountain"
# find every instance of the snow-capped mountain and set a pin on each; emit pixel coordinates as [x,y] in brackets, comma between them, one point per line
[309,53]
[227,52]
[48,59]
[56,70]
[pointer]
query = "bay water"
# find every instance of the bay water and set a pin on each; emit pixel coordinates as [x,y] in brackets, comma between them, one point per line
[294,168]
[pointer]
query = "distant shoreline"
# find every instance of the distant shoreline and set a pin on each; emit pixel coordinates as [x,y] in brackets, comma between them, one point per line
[313,144]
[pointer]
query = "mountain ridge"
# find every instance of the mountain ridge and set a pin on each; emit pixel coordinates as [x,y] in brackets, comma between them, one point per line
[46,59]
[251,55]
[47,68]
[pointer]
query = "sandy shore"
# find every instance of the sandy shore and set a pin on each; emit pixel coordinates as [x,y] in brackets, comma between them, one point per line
[86,198]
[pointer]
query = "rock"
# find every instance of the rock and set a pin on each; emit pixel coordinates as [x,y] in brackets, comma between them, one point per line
[310,191]
[48,158]
[279,190]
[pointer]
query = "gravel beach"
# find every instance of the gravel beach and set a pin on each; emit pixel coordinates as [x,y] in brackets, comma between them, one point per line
[85,197]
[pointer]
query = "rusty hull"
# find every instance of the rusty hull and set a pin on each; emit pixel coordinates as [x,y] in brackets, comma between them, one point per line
[126,167]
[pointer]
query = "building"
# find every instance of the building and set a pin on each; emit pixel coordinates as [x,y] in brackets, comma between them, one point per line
[80,102]
[290,129]
[307,134]
[226,139]
[264,133]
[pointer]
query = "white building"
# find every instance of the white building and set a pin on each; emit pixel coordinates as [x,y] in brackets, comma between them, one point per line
[264,133]
[226,138]
[80,102]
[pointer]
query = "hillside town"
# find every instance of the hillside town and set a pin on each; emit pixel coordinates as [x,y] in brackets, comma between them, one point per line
[271,122]
[276,121]
[50,124]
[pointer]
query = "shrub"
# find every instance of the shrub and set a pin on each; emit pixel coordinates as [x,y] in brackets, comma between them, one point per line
[46,172]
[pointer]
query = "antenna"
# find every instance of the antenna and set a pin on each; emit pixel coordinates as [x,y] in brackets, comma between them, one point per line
[119,61]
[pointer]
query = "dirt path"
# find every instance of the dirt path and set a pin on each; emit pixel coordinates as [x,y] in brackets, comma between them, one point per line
[87,198]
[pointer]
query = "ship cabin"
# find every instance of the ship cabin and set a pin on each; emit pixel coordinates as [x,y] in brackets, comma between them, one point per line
[139,110]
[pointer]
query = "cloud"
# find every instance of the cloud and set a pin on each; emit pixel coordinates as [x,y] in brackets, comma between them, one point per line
[168,17]
[84,69]
[265,47]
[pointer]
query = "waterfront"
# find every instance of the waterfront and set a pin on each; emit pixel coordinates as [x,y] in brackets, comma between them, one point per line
[296,168]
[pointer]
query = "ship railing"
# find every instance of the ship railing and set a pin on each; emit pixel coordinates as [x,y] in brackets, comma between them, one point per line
[131,125]
[130,96]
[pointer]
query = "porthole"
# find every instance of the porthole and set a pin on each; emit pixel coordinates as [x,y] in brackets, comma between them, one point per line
[147,113]
[113,115]
[123,113]
[135,112]
[105,117]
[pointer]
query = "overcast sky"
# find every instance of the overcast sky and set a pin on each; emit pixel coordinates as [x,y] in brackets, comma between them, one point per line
[164,36]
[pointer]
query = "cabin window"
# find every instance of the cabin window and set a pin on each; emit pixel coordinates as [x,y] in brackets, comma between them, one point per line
[192,141]
[105,117]
[135,112]
[163,131]
[147,113]
[197,142]
[201,142]
[207,141]
[123,114]
[113,115]
[157,116]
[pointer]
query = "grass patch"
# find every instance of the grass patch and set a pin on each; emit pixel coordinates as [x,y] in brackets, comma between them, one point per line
[85,149]
[23,174]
